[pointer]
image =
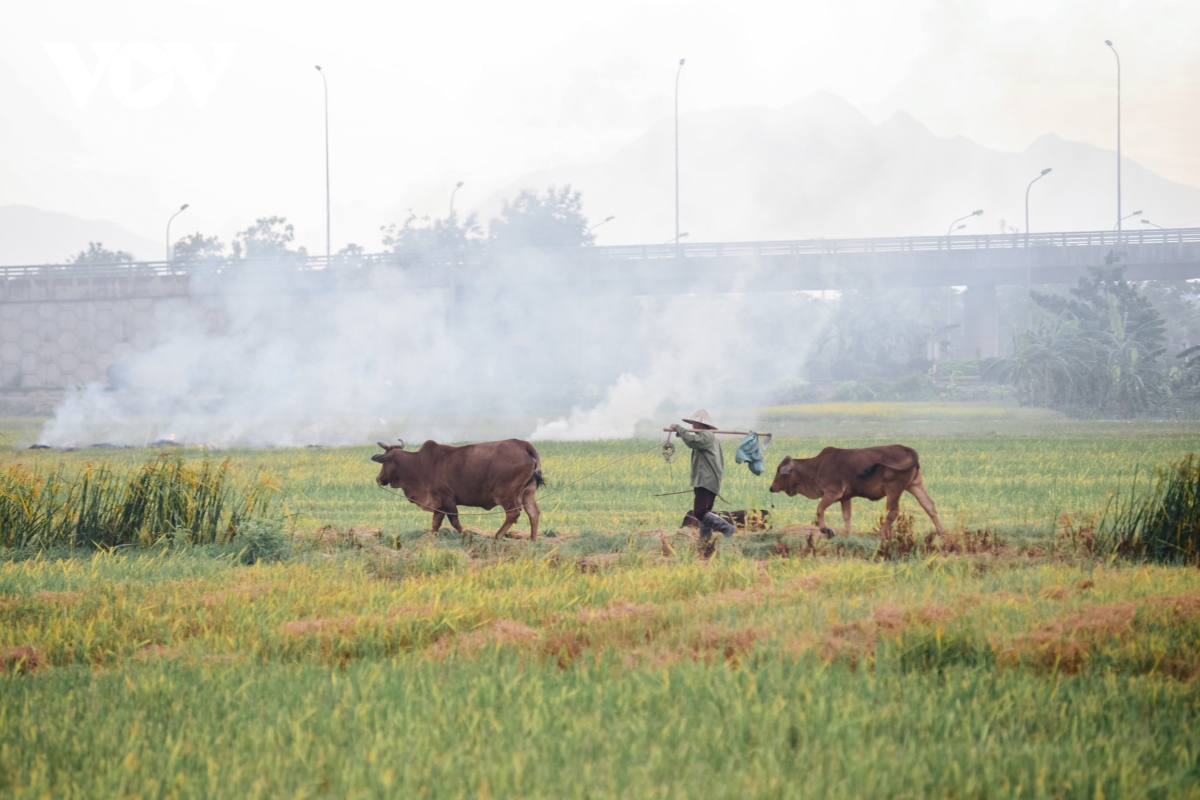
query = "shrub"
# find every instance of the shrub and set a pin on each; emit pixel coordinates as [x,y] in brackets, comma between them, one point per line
[164,497]
[263,540]
[1161,523]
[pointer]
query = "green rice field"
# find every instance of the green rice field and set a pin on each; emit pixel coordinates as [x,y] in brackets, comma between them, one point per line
[367,657]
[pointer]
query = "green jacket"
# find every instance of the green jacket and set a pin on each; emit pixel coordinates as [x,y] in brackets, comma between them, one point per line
[708,462]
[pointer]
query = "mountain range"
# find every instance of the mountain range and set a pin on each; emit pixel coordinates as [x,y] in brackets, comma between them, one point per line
[31,235]
[820,168]
[817,167]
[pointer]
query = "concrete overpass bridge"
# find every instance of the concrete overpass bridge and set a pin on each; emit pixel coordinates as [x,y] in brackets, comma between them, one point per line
[64,324]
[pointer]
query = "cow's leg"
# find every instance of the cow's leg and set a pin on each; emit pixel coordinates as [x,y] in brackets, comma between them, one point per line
[532,511]
[917,490]
[846,514]
[438,516]
[893,511]
[824,503]
[512,513]
[452,513]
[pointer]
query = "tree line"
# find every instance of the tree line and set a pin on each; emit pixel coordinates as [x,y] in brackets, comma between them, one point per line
[554,218]
[1105,346]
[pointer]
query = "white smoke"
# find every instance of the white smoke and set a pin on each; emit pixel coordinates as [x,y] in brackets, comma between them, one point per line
[277,357]
[626,403]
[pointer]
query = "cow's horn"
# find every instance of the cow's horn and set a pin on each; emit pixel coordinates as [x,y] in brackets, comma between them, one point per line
[401,441]
[381,444]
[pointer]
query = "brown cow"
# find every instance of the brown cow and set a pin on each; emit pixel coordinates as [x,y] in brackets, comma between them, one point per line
[440,478]
[836,475]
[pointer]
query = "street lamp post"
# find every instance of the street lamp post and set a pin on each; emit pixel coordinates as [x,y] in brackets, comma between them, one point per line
[1115,53]
[1155,224]
[952,229]
[182,208]
[677,237]
[327,227]
[609,218]
[1028,275]
[1127,216]
[1041,175]
[457,186]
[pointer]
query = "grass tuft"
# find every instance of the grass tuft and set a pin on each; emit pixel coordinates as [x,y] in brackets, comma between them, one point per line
[164,499]
[1160,523]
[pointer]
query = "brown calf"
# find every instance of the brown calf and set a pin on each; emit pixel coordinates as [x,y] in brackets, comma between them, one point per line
[836,475]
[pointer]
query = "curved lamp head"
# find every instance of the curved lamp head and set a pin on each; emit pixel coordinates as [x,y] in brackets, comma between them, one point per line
[458,185]
[318,67]
[976,213]
[182,207]
[1047,171]
[681,61]
[1108,42]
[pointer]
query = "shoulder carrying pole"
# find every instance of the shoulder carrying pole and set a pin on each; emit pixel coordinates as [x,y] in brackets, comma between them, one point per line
[727,433]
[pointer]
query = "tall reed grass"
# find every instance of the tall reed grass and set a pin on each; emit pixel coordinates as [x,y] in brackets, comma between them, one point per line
[1160,522]
[99,506]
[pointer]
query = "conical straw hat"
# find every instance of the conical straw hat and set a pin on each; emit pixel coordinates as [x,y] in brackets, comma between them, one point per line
[701,419]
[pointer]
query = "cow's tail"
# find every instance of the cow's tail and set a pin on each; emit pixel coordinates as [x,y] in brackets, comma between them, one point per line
[537,478]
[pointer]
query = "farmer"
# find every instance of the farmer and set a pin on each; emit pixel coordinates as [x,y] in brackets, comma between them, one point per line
[708,464]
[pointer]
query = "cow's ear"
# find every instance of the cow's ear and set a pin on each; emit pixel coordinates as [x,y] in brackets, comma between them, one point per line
[785,466]
[379,458]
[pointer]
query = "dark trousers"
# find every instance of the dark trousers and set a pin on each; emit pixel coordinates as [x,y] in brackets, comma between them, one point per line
[703,502]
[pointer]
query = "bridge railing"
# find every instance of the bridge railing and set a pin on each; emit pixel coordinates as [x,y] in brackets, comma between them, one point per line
[1006,241]
[700,250]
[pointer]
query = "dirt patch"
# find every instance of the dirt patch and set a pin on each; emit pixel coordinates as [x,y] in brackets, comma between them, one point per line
[494,634]
[1183,606]
[24,658]
[809,583]
[1085,586]
[889,618]
[1057,593]
[619,610]
[855,642]
[851,642]
[245,592]
[935,612]
[729,644]
[57,598]
[1063,645]
[412,612]
[156,651]
[597,562]
[329,627]
[798,530]
[566,646]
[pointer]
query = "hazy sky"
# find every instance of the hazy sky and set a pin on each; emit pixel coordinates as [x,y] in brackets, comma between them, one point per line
[217,103]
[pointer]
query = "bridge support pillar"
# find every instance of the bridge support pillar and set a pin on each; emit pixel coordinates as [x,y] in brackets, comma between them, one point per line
[981,335]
